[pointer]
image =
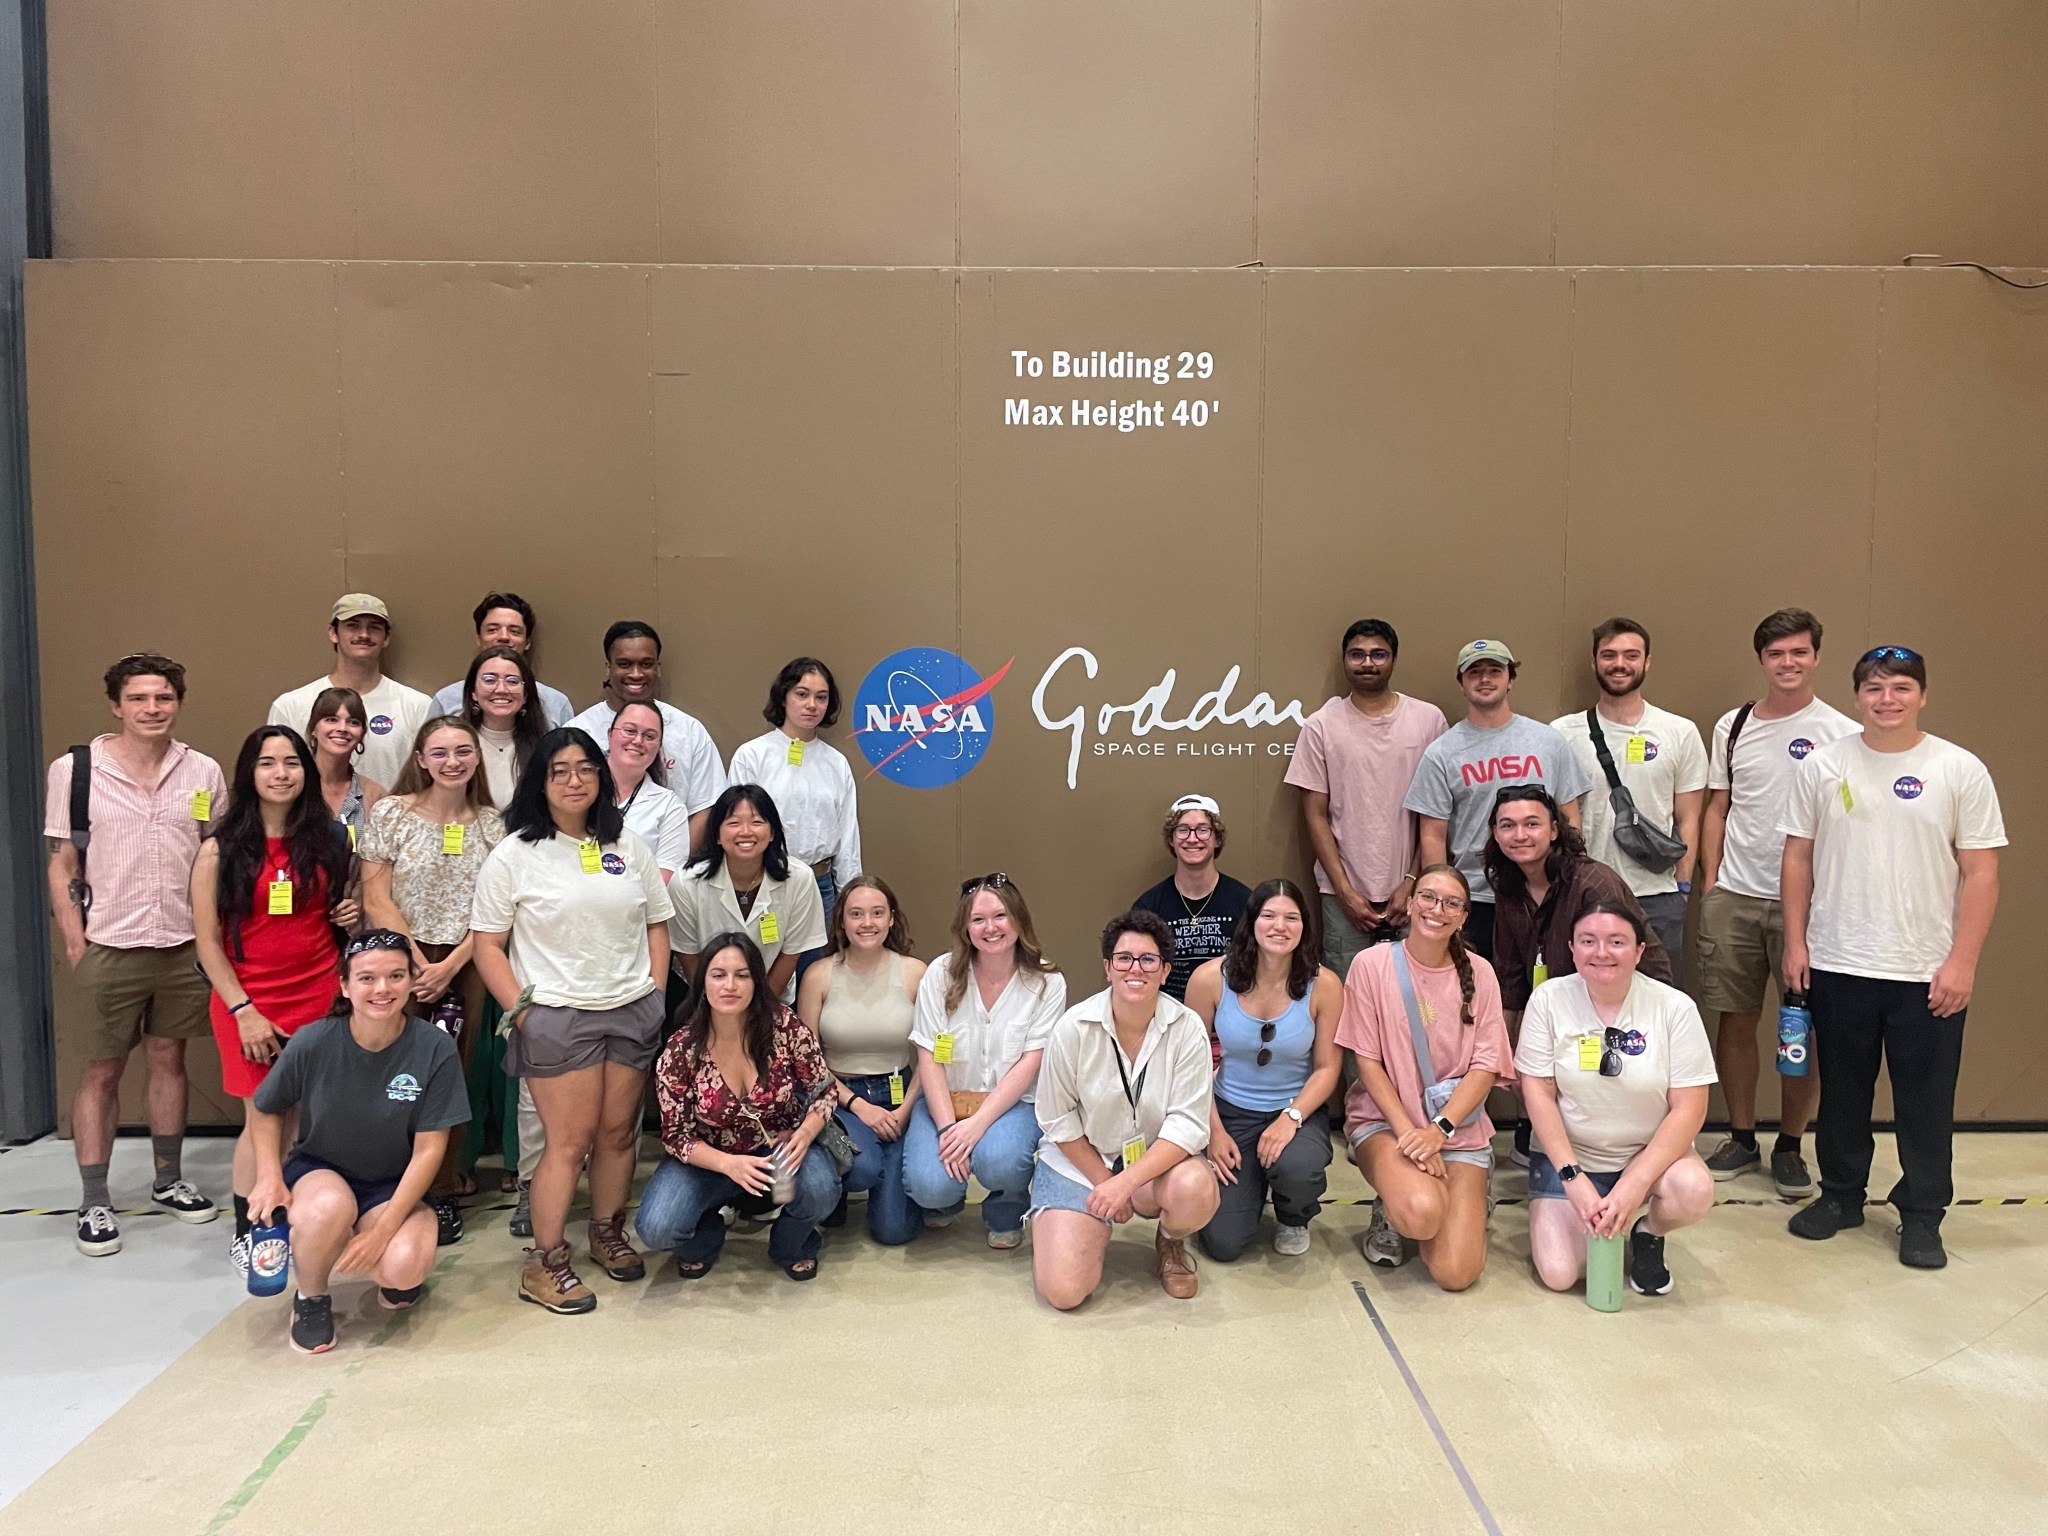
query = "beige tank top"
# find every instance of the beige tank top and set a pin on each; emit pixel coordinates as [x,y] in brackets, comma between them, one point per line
[865,1025]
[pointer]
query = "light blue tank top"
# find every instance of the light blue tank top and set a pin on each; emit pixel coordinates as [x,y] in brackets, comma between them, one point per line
[1241,1079]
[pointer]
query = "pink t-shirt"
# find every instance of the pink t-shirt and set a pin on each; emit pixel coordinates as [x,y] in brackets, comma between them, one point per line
[1374,1024]
[1365,764]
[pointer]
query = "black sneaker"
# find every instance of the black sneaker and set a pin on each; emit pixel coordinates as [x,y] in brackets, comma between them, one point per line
[1647,1272]
[447,1219]
[184,1202]
[1824,1218]
[391,1299]
[1731,1160]
[98,1233]
[521,1224]
[1518,1153]
[1788,1173]
[312,1324]
[1920,1244]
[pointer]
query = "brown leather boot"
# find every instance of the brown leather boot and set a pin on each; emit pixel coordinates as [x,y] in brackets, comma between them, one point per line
[1175,1265]
[610,1251]
[549,1281]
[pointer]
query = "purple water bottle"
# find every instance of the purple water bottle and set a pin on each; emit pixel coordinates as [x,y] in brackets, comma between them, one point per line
[1795,1036]
[270,1252]
[448,1016]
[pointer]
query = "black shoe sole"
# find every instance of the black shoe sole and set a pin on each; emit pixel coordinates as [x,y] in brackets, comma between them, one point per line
[637,1272]
[569,1310]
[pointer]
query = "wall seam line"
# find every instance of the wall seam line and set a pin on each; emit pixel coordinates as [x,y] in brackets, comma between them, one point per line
[1556,125]
[654,52]
[340,422]
[355,185]
[1876,438]
[959,156]
[1258,111]
[1571,402]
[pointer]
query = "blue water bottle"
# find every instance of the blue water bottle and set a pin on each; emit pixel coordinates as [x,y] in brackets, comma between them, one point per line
[270,1252]
[1795,1036]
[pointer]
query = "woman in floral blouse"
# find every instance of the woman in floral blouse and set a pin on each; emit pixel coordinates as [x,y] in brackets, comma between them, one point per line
[744,1091]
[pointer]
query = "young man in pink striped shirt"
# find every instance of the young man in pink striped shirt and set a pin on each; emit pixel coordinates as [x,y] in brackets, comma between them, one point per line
[123,905]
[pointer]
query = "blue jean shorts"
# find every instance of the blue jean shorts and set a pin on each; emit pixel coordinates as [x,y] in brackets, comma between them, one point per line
[1479,1157]
[1053,1191]
[1544,1184]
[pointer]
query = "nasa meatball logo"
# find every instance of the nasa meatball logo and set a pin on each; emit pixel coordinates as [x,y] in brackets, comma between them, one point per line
[1649,750]
[612,864]
[1799,746]
[380,725]
[1908,788]
[923,717]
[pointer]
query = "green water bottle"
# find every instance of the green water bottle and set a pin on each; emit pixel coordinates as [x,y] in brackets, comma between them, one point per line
[1603,1273]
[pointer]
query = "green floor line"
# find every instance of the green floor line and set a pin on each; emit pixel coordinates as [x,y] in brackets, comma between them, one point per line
[253,1484]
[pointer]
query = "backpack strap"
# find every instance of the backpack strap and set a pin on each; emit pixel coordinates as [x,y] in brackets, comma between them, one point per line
[81,820]
[1734,731]
[1600,749]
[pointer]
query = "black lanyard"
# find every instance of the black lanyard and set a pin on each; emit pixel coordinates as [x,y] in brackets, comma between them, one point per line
[1130,1098]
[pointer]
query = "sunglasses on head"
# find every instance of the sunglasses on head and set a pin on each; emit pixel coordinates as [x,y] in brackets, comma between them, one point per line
[991,882]
[395,942]
[1891,653]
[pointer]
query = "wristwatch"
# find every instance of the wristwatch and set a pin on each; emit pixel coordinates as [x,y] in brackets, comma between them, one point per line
[1445,1124]
[1292,1113]
[1567,1173]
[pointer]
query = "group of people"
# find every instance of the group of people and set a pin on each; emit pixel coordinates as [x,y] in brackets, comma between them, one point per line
[531,912]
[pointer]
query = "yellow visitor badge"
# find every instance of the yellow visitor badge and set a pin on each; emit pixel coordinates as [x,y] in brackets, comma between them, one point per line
[895,1089]
[202,805]
[280,898]
[451,837]
[796,754]
[1133,1150]
[351,837]
[1539,973]
[1637,749]
[771,929]
[1589,1053]
[1848,800]
[942,1050]
[587,851]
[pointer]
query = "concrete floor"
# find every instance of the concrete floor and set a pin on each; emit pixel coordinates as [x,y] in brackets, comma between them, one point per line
[1781,1387]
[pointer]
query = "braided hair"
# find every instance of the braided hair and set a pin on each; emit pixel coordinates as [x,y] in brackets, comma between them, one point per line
[1461,957]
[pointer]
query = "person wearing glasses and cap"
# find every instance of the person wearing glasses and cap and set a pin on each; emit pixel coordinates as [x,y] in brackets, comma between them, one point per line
[984,1011]
[1890,883]
[360,632]
[1200,905]
[1124,1105]
[1452,792]
[1615,1069]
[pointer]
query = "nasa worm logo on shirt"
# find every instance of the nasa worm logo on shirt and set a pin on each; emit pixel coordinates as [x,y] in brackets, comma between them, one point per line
[380,725]
[402,1089]
[1907,788]
[924,717]
[612,864]
[1798,746]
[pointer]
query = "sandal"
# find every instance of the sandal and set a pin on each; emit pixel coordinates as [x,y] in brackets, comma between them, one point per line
[465,1184]
[508,1181]
[801,1269]
[688,1270]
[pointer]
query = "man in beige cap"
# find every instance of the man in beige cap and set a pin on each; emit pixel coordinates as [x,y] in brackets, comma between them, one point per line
[359,631]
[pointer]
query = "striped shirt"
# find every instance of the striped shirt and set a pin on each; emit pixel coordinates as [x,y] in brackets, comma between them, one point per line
[144,839]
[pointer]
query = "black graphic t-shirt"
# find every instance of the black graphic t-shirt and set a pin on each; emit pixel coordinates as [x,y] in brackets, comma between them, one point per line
[359,1110]
[1201,929]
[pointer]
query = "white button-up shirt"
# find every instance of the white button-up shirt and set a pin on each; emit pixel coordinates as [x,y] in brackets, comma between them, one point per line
[706,906]
[987,1041]
[1081,1089]
[815,798]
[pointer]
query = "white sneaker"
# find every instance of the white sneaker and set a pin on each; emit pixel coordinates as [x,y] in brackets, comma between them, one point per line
[1005,1239]
[940,1218]
[1382,1245]
[98,1233]
[238,1255]
[1290,1240]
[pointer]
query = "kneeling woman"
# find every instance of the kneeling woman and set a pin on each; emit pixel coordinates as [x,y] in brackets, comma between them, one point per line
[1615,1069]
[1273,1009]
[377,1095]
[1124,1103]
[1422,1020]
[744,1092]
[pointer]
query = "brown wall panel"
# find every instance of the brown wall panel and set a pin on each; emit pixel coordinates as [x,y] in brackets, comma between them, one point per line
[809,130]
[1961,544]
[202,128]
[1107,134]
[1406,132]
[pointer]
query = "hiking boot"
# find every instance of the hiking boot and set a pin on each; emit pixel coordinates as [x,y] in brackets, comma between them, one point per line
[1920,1243]
[1175,1266]
[549,1281]
[521,1224]
[1648,1275]
[312,1324]
[1788,1173]
[184,1202]
[1731,1160]
[1824,1218]
[98,1233]
[610,1251]
[1382,1245]
[447,1219]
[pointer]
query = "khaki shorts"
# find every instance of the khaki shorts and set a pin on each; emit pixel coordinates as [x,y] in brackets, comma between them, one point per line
[1741,950]
[552,1041]
[134,992]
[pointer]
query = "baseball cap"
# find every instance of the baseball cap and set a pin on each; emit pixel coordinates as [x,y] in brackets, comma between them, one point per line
[1194,803]
[359,605]
[1484,650]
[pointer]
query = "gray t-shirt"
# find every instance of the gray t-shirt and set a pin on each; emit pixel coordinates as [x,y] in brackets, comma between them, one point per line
[1461,769]
[359,1110]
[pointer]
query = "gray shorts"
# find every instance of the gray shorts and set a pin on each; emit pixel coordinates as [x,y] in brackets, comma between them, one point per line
[549,1042]
[1478,1157]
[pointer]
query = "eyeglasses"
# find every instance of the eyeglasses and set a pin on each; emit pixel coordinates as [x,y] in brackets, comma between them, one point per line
[1145,964]
[992,882]
[1891,653]
[1376,658]
[1194,834]
[647,737]
[1266,1034]
[500,680]
[1610,1052]
[562,773]
[1429,901]
[449,754]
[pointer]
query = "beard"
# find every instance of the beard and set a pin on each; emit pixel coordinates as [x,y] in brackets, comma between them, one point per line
[1608,685]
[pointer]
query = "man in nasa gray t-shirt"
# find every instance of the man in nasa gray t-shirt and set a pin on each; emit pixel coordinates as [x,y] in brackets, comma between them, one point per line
[1452,794]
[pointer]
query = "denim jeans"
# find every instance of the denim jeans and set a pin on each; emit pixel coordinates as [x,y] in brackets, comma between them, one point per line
[1001,1160]
[679,1210]
[893,1218]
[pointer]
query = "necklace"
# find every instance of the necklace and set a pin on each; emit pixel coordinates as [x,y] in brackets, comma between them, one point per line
[1195,913]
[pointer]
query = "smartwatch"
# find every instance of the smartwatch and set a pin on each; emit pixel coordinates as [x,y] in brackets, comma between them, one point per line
[1567,1173]
[1445,1124]
[1292,1113]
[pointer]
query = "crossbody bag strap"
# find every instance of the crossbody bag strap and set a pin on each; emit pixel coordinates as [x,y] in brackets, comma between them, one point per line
[81,808]
[1600,749]
[1406,982]
[1734,731]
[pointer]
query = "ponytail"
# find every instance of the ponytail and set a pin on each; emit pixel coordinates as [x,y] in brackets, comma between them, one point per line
[1462,959]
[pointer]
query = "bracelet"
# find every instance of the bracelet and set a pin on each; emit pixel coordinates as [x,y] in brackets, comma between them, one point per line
[1412,879]
[235,1008]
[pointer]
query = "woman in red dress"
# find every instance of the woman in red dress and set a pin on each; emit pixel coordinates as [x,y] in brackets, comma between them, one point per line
[267,889]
